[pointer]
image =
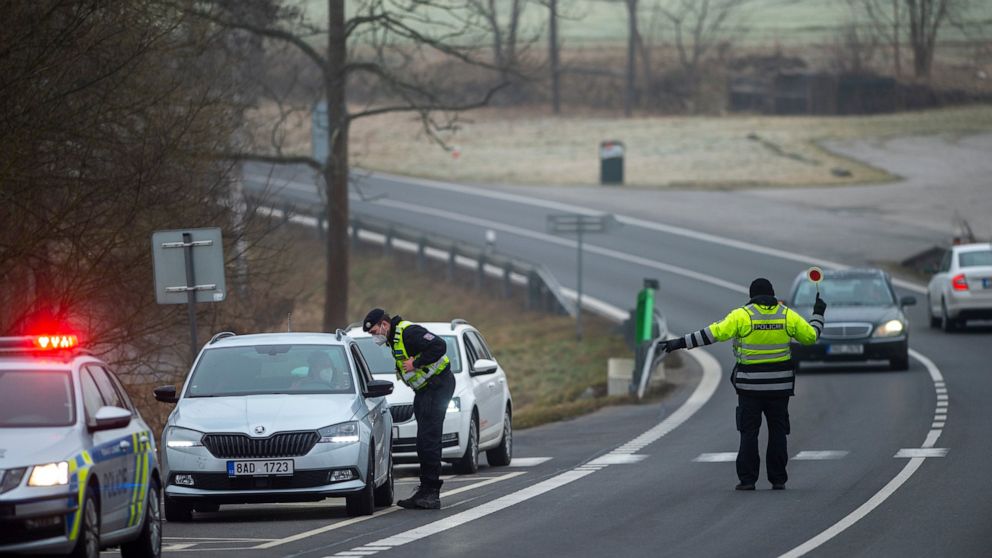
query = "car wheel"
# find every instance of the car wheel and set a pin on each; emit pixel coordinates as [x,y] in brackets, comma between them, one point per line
[88,541]
[469,462]
[934,320]
[363,503]
[501,455]
[177,512]
[946,323]
[149,541]
[384,492]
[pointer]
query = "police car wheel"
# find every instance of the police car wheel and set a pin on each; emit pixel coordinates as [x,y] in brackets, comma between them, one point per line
[177,512]
[88,542]
[149,542]
[501,455]
[469,462]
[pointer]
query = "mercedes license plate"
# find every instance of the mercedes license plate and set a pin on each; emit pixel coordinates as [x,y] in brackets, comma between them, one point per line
[846,349]
[256,468]
[987,282]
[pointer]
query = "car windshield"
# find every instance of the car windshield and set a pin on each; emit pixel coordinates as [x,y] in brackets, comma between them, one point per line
[975,258]
[36,398]
[381,360]
[265,369]
[846,291]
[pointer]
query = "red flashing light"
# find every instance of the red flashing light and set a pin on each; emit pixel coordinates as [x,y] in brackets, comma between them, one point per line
[959,283]
[55,342]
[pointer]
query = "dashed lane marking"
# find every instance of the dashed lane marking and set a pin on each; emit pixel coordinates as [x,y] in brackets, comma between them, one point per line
[528,461]
[822,455]
[921,452]
[719,457]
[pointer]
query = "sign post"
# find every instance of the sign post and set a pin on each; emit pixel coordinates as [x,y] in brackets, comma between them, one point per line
[179,257]
[573,223]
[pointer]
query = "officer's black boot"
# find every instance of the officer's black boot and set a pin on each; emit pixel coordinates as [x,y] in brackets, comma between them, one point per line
[424,499]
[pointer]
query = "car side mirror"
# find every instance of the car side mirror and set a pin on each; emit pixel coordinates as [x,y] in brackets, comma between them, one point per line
[907,301]
[378,388]
[111,418]
[166,394]
[483,366]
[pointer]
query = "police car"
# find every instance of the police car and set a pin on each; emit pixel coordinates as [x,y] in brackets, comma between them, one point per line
[77,463]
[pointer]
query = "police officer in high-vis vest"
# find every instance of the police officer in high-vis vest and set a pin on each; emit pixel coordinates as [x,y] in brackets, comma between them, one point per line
[764,375]
[422,365]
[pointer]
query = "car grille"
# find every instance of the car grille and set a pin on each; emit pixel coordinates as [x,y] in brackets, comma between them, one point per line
[287,444]
[846,330]
[401,413]
[299,479]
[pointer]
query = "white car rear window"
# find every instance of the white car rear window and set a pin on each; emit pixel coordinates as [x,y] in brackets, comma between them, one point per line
[975,258]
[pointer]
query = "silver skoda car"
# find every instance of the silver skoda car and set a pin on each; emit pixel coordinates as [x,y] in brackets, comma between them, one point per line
[282,417]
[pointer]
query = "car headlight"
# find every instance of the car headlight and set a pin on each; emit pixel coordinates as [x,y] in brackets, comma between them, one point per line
[50,474]
[11,479]
[455,405]
[890,328]
[176,437]
[344,433]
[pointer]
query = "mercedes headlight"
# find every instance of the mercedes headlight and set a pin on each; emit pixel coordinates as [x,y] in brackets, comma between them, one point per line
[890,328]
[51,474]
[344,433]
[455,405]
[179,438]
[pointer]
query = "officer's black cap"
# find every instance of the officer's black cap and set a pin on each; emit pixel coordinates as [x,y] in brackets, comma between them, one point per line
[374,316]
[761,286]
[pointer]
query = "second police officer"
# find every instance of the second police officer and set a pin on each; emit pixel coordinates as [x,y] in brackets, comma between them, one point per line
[421,364]
[764,375]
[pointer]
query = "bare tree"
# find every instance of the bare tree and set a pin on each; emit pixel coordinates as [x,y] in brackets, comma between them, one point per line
[886,21]
[698,26]
[630,91]
[554,56]
[407,51]
[504,36]
[925,20]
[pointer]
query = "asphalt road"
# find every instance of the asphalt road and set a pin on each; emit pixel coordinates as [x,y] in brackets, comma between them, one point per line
[659,478]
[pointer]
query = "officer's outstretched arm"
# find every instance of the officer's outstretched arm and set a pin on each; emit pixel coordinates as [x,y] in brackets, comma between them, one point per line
[723,330]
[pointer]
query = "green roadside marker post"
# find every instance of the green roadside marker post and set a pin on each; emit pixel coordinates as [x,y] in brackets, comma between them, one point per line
[643,329]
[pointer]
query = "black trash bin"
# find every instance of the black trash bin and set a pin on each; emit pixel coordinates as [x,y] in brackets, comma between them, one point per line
[611,162]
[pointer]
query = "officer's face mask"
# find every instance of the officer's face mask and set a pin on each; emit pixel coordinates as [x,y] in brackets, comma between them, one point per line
[379,340]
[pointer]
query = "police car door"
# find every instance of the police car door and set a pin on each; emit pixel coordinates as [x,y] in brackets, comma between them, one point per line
[113,454]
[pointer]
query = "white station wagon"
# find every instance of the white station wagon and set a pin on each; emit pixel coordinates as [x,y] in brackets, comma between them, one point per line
[480,415]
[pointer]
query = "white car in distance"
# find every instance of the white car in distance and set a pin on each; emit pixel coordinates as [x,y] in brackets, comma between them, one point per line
[480,415]
[961,288]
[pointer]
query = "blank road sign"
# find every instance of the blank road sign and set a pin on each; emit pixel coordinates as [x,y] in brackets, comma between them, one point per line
[169,259]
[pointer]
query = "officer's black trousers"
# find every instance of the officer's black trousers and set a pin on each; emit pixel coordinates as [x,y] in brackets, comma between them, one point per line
[430,405]
[749,411]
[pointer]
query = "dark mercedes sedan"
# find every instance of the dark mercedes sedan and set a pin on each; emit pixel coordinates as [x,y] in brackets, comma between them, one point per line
[865,322]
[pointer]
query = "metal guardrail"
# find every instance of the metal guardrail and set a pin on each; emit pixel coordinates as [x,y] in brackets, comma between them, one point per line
[651,357]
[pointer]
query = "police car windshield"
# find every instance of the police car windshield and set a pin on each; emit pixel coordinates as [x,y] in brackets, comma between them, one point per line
[268,369]
[36,398]
[865,290]
[381,361]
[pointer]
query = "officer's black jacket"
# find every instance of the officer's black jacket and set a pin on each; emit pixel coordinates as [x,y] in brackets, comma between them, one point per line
[425,347]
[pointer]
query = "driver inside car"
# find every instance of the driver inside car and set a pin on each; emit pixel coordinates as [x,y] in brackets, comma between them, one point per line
[322,372]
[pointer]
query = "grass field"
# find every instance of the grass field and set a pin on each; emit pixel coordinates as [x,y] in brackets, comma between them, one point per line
[501,146]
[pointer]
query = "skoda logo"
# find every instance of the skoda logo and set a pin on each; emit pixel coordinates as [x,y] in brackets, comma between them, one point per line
[260,430]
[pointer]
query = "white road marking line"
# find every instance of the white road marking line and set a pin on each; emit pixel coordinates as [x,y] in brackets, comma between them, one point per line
[178,546]
[820,455]
[707,386]
[888,490]
[617,459]
[354,520]
[720,457]
[921,452]
[528,461]
[357,553]
[216,539]
[937,425]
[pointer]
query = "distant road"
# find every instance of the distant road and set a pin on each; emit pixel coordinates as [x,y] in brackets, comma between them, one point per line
[856,439]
